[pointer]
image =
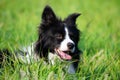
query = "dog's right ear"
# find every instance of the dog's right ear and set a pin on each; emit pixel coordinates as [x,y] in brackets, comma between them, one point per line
[48,16]
[71,19]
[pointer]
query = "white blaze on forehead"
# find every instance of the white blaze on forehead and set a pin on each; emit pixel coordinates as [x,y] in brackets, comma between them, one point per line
[63,45]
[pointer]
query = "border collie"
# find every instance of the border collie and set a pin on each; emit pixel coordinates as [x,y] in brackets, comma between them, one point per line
[57,39]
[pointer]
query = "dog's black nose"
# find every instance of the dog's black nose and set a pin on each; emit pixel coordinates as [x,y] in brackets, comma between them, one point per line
[70,45]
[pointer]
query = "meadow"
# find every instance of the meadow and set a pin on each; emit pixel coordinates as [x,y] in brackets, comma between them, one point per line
[100,38]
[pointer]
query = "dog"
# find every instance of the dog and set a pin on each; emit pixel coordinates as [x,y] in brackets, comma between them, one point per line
[57,39]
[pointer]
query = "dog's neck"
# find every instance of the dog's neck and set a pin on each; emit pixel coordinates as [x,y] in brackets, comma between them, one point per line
[52,57]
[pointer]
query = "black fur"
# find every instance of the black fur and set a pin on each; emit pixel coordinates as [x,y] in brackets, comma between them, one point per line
[50,27]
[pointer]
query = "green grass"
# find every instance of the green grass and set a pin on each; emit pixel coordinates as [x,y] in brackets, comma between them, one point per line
[100,38]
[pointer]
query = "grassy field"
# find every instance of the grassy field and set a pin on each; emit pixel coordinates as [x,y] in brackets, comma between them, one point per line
[100,38]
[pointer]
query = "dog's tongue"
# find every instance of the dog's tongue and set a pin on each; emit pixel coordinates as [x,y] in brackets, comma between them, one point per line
[64,55]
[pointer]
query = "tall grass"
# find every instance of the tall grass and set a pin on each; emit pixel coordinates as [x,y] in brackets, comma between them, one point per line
[100,38]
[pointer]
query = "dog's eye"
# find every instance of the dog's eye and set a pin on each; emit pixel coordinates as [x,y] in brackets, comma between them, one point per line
[59,36]
[72,36]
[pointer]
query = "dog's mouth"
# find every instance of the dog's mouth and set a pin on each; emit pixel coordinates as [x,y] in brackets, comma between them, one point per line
[63,54]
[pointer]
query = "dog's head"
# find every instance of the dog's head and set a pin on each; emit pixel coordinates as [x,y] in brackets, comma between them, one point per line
[57,36]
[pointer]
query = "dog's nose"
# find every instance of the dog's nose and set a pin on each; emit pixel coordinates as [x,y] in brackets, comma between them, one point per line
[70,45]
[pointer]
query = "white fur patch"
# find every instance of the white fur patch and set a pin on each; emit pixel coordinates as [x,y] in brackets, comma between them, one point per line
[27,54]
[71,69]
[63,45]
[52,57]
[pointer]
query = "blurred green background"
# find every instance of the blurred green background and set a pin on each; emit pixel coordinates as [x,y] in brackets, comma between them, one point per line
[19,19]
[99,24]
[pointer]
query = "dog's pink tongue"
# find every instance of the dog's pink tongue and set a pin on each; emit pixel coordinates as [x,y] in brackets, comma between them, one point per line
[64,55]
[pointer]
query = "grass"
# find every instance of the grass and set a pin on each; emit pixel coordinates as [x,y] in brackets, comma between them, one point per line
[100,38]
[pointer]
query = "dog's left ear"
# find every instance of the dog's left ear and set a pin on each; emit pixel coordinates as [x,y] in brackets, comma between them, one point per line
[48,15]
[71,19]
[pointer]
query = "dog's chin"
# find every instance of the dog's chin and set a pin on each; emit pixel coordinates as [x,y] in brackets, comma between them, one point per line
[64,55]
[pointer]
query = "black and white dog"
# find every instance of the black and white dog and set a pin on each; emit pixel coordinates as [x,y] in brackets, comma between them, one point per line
[57,39]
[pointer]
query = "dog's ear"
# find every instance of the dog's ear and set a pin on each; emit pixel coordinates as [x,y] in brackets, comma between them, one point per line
[71,19]
[48,16]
